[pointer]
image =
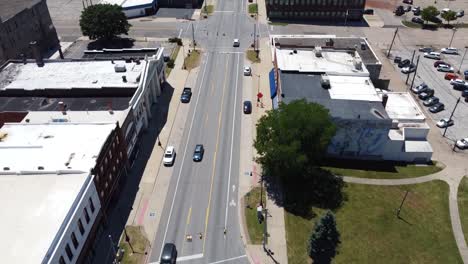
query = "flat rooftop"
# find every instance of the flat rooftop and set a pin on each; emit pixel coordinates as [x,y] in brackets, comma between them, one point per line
[402,107]
[59,74]
[122,54]
[311,41]
[353,88]
[128,3]
[307,86]
[89,117]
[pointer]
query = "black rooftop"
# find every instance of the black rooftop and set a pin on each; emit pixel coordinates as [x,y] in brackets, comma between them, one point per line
[120,54]
[26,104]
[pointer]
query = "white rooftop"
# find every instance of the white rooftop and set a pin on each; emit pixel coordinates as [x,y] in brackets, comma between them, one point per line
[34,207]
[89,117]
[418,146]
[70,74]
[333,62]
[128,3]
[352,88]
[402,107]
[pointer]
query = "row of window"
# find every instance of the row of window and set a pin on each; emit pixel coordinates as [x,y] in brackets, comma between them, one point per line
[307,14]
[68,250]
[318,3]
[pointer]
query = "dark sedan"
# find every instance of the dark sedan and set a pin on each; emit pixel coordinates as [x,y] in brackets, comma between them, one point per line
[417,20]
[437,108]
[198,152]
[247,107]
[404,63]
[186,95]
[426,94]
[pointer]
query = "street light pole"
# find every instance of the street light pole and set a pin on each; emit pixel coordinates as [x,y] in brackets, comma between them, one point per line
[461,62]
[453,35]
[451,115]
[412,59]
[415,71]
[113,249]
[401,205]
[391,44]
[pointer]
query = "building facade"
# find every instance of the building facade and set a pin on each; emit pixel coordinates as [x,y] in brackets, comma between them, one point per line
[22,22]
[333,10]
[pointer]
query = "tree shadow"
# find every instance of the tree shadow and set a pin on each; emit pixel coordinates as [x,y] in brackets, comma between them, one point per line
[114,43]
[321,22]
[381,166]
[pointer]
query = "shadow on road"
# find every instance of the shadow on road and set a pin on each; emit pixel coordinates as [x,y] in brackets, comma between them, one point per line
[340,23]
[114,43]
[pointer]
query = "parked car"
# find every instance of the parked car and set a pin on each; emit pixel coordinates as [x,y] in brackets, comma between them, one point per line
[368,11]
[426,49]
[247,107]
[198,152]
[411,68]
[462,143]
[437,107]
[404,63]
[399,10]
[186,95]
[445,68]
[409,2]
[407,8]
[416,8]
[247,71]
[435,20]
[432,55]
[426,94]
[445,122]
[439,62]
[417,12]
[460,87]
[449,50]
[420,88]
[460,13]
[397,59]
[169,156]
[457,81]
[450,76]
[445,10]
[431,101]
[464,93]
[465,73]
[417,20]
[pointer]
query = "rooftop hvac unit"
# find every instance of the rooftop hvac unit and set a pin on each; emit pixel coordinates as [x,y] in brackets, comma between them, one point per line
[120,68]
[358,64]
[325,81]
[318,52]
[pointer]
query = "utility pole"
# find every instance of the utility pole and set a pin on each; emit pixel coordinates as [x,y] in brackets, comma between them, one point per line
[461,62]
[113,249]
[193,37]
[453,35]
[255,37]
[412,58]
[401,205]
[391,44]
[346,18]
[451,115]
[415,71]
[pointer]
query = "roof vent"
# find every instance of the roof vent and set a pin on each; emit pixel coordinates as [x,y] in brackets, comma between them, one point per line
[295,51]
[120,68]
[124,78]
[357,64]
[6,168]
[40,168]
[318,52]
[325,81]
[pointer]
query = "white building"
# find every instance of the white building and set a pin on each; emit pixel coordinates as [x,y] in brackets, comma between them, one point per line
[49,198]
[135,8]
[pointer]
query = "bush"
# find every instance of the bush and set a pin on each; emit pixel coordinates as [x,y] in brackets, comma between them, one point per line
[176,40]
[171,63]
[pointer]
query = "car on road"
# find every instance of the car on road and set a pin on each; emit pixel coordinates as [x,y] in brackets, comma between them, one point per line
[460,13]
[411,68]
[437,108]
[169,156]
[236,43]
[247,107]
[417,20]
[445,122]
[449,50]
[169,254]
[445,68]
[457,81]
[450,76]
[420,88]
[247,71]
[409,2]
[198,152]
[397,59]
[439,62]
[462,143]
[431,101]
[426,49]
[426,94]
[404,63]
[186,95]
[432,55]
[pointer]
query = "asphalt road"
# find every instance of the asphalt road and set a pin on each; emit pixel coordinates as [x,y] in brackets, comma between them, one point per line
[202,196]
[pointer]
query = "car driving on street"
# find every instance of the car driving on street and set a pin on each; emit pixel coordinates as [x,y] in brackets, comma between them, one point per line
[198,152]
[186,95]
[169,156]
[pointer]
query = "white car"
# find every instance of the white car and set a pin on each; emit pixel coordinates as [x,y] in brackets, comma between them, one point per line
[247,71]
[445,68]
[432,55]
[457,81]
[462,143]
[408,69]
[236,43]
[445,122]
[169,156]
[449,50]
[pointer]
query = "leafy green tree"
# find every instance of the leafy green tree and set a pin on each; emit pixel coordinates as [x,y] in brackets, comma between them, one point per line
[293,139]
[324,240]
[429,13]
[103,21]
[449,16]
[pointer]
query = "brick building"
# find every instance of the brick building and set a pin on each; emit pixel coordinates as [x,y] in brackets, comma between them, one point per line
[334,10]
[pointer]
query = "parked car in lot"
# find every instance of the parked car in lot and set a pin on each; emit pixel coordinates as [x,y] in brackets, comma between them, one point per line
[432,55]
[426,94]
[186,95]
[169,156]
[465,73]
[462,143]
[407,8]
[439,62]
[445,68]
[411,68]
[417,20]
[431,101]
[450,76]
[437,107]
[420,88]
[404,63]
[417,12]
[435,20]
[397,59]
[460,13]
[445,122]
[409,2]
[426,49]
[457,81]
[449,50]
[459,87]
[464,93]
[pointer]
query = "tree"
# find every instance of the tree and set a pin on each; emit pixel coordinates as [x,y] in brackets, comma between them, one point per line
[449,16]
[103,21]
[324,240]
[429,13]
[293,139]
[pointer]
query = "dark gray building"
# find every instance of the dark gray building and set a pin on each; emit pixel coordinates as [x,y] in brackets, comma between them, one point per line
[24,21]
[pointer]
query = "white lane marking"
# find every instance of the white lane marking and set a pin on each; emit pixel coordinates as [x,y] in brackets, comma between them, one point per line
[188,25]
[185,258]
[185,152]
[233,188]
[232,203]
[226,260]
[180,33]
[230,52]
[232,143]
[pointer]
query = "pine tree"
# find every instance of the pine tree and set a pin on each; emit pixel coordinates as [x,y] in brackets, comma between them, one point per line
[324,240]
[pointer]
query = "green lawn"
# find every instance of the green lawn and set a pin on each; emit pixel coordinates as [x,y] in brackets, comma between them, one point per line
[251,201]
[174,54]
[278,23]
[379,170]
[139,243]
[252,56]
[463,204]
[253,9]
[192,60]
[411,24]
[371,232]
[208,9]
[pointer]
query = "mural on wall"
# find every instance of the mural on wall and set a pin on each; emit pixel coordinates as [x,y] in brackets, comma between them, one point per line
[355,138]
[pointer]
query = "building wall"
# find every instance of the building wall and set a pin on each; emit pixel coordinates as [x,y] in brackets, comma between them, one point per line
[11,117]
[70,229]
[315,9]
[143,10]
[32,24]
[180,3]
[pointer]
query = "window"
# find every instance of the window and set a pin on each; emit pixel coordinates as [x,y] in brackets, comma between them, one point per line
[102,168]
[69,252]
[110,155]
[86,215]
[91,205]
[74,240]
[101,194]
[80,226]
[113,170]
[106,185]
[61,260]
[120,154]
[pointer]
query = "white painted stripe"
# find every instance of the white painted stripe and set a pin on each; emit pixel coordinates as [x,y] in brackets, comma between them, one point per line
[230,52]
[224,11]
[185,258]
[226,260]
[180,33]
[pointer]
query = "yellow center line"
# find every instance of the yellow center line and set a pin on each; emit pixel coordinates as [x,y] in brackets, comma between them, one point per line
[185,232]
[214,158]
